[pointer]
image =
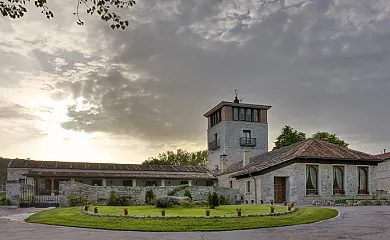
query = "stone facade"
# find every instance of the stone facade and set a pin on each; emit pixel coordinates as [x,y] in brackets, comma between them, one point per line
[295,175]
[383,175]
[229,134]
[101,194]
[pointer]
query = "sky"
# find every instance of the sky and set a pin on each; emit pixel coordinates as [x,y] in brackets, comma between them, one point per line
[90,93]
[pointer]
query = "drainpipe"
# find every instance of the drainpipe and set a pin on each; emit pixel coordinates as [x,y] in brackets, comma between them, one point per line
[254,180]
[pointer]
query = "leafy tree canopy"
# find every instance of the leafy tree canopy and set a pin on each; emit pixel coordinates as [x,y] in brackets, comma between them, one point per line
[105,9]
[290,136]
[181,157]
[328,137]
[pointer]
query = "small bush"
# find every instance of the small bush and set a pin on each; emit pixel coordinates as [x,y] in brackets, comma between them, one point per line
[165,202]
[118,201]
[213,200]
[187,193]
[187,204]
[177,189]
[341,201]
[272,208]
[223,200]
[5,201]
[149,197]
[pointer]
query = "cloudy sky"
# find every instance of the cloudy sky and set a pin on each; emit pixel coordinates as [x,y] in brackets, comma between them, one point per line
[94,94]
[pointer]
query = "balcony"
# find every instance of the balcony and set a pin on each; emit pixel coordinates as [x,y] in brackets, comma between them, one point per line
[247,142]
[214,145]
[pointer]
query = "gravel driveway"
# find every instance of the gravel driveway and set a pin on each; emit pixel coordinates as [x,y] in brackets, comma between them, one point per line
[369,222]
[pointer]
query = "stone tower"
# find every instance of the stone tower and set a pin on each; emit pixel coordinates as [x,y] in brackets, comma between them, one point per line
[236,131]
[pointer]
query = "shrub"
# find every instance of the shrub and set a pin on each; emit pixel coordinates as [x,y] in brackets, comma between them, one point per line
[213,200]
[76,201]
[341,201]
[272,208]
[187,193]
[223,200]
[165,202]
[187,204]
[5,201]
[118,201]
[149,197]
[177,189]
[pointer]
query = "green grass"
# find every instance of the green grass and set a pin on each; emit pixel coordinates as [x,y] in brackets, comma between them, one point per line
[75,218]
[195,211]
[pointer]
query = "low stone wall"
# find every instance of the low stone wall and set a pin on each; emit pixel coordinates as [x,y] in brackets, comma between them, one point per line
[218,216]
[354,202]
[100,194]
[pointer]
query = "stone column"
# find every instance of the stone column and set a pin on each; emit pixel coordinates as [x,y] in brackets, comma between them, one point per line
[162,182]
[52,186]
[134,182]
[189,182]
[104,182]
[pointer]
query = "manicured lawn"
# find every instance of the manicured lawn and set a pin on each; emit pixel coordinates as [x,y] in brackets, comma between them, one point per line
[195,211]
[75,218]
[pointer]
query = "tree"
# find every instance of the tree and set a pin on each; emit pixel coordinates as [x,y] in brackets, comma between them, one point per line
[331,138]
[103,8]
[181,157]
[289,136]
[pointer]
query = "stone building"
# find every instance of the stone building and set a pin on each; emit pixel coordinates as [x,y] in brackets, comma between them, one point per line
[384,172]
[310,170]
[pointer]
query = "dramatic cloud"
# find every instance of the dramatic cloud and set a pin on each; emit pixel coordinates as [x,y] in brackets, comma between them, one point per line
[321,64]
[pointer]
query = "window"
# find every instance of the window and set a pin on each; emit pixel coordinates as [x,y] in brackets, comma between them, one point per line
[311,180]
[235,114]
[215,136]
[151,183]
[183,182]
[247,134]
[249,115]
[230,184]
[242,114]
[215,118]
[209,183]
[128,183]
[255,115]
[338,180]
[22,181]
[363,180]
[248,186]
[96,182]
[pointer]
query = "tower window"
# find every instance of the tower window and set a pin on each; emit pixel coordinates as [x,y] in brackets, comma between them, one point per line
[249,115]
[255,115]
[235,114]
[242,114]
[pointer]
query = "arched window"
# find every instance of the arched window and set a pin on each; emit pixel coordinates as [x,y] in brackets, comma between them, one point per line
[311,180]
[363,180]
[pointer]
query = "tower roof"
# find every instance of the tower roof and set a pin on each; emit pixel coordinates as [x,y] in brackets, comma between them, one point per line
[233,104]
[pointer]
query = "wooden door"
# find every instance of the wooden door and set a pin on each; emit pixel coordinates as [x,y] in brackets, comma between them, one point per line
[279,189]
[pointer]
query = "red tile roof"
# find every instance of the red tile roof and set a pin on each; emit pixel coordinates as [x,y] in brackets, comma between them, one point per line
[311,148]
[194,176]
[384,156]
[21,163]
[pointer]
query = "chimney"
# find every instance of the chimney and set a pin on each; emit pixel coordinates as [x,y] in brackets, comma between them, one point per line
[223,162]
[384,150]
[245,157]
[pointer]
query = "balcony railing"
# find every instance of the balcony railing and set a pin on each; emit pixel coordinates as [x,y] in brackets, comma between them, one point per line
[214,145]
[311,192]
[247,142]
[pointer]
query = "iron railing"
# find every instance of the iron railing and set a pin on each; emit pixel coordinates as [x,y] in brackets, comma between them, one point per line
[247,142]
[214,145]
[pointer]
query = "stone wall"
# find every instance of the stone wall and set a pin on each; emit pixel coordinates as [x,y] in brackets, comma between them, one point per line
[383,176]
[101,194]
[296,184]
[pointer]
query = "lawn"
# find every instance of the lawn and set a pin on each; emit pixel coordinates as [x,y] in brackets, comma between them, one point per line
[198,211]
[75,218]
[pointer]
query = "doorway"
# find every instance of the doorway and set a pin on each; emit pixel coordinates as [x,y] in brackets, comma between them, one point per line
[279,189]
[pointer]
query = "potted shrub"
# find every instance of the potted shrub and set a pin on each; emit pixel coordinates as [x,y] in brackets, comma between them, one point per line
[163,212]
[272,209]
[207,212]
[292,204]
[86,207]
[285,203]
[238,212]
[272,202]
[289,208]
[125,212]
[261,201]
[95,210]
